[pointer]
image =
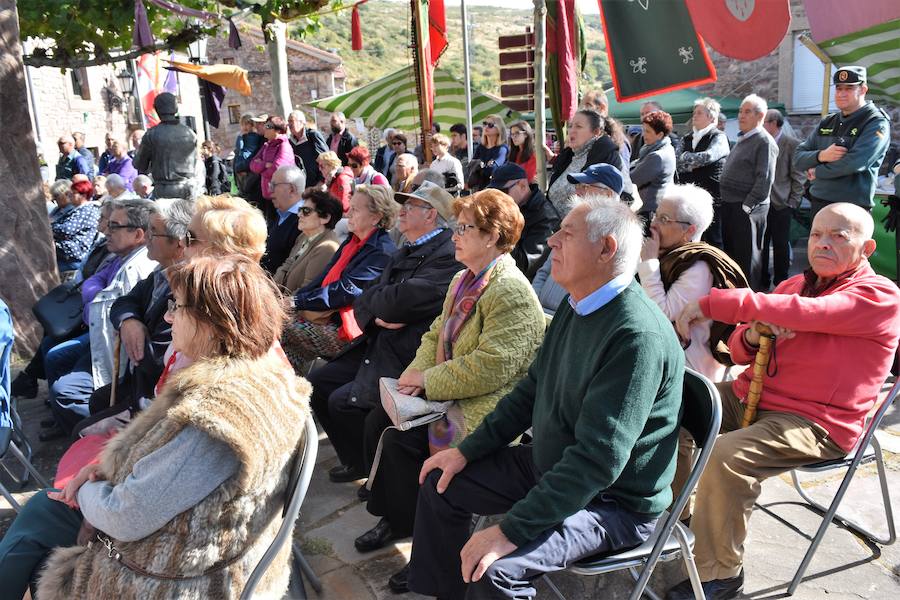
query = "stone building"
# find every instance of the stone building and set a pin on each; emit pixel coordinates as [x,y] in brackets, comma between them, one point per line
[90,100]
[788,75]
[313,73]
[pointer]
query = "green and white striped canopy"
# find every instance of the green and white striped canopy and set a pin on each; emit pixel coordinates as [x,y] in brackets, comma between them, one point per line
[878,50]
[392,102]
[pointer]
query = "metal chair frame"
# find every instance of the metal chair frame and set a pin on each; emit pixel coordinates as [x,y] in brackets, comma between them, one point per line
[297,488]
[867,450]
[10,439]
[702,417]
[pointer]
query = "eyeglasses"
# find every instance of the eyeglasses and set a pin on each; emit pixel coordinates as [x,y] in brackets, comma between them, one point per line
[173,307]
[112,226]
[152,234]
[398,143]
[462,228]
[517,133]
[488,124]
[190,238]
[307,210]
[269,126]
[355,165]
[665,220]
[408,205]
[274,184]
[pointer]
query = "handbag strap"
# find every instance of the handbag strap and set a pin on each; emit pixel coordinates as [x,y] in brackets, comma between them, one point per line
[405,426]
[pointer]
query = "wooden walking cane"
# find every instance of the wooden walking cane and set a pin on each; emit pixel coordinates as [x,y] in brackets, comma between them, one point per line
[760,365]
[115,378]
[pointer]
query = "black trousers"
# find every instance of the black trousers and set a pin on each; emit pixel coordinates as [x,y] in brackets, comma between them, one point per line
[713,234]
[742,238]
[395,489]
[491,486]
[778,239]
[352,428]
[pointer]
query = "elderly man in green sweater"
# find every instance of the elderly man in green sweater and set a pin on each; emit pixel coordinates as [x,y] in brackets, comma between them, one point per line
[602,396]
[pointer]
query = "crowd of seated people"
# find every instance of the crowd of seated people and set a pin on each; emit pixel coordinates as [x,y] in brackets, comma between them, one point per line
[553,325]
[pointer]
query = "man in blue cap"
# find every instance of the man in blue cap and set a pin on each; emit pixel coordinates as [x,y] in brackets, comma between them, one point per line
[541,219]
[601,178]
[842,155]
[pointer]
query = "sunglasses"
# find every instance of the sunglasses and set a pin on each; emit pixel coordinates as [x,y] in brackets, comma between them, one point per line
[190,238]
[488,124]
[398,143]
[306,211]
[355,165]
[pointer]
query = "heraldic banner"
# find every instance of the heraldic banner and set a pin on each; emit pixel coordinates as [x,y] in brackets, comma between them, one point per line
[653,47]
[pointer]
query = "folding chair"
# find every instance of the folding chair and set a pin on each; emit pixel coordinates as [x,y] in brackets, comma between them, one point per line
[298,484]
[10,439]
[867,450]
[702,417]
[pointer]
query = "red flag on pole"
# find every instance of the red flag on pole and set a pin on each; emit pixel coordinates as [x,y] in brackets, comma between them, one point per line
[437,29]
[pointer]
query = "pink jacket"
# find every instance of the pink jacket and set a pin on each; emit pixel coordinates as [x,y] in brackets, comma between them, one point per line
[832,370]
[275,153]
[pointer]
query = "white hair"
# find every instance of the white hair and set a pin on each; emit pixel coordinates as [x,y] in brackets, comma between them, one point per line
[114,180]
[389,133]
[294,176]
[408,160]
[611,217]
[143,180]
[299,114]
[713,108]
[692,204]
[758,103]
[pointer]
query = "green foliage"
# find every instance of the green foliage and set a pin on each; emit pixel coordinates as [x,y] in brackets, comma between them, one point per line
[82,29]
[385,29]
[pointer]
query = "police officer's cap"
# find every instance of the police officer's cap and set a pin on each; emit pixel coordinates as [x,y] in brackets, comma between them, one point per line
[850,76]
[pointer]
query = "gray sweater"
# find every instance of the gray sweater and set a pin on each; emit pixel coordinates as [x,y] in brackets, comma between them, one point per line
[162,485]
[750,169]
[653,172]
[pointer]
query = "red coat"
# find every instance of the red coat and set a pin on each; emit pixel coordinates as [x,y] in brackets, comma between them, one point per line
[530,167]
[832,370]
[275,153]
[341,187]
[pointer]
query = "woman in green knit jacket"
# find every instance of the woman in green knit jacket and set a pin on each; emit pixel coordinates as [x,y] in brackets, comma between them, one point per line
[474,352]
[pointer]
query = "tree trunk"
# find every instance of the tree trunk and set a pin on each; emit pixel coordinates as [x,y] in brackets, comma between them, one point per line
[27,253]
[276,45]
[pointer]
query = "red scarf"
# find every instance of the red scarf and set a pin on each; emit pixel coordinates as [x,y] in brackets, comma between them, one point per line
[349,330]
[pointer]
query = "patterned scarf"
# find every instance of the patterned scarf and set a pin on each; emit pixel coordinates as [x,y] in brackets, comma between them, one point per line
[465,295]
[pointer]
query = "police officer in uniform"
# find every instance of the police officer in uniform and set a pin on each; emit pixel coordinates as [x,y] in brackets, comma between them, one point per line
[842,155]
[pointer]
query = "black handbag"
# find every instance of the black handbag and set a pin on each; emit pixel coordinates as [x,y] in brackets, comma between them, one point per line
[60,310]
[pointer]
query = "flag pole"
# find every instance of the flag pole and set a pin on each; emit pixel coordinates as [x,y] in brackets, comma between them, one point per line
[540,76]
[466,80]
[419,59]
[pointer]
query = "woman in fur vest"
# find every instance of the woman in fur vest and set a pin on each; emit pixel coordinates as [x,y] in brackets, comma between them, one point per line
[188,496]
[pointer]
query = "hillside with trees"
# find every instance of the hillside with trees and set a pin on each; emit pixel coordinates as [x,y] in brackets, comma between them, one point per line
[385,29]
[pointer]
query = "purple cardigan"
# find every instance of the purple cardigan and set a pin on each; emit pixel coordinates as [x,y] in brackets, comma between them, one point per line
[123,168]
[276,153]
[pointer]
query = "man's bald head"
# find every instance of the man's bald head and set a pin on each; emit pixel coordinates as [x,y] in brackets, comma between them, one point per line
[840,239]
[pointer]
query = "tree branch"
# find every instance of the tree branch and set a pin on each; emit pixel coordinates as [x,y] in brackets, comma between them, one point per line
[180,40]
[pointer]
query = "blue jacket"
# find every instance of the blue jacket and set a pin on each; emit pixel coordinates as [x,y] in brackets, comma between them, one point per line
[866,135]
[245,148]
[72,164]
[6,344]
[361,272]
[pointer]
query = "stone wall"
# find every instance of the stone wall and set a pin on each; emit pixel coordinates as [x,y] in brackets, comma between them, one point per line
[313,73]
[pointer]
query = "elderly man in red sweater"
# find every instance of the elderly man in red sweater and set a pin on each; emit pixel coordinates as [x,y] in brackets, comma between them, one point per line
[837,328]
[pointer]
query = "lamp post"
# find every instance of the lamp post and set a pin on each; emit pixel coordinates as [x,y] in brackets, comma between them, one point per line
[197,55]
[126,82]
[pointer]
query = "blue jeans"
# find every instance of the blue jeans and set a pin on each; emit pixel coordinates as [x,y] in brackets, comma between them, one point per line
[61,358]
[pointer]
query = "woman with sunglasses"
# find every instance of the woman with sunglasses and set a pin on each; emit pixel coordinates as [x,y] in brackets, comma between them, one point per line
[493,151]
[276,152]
[317,242]
[363,173]
[473,354]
